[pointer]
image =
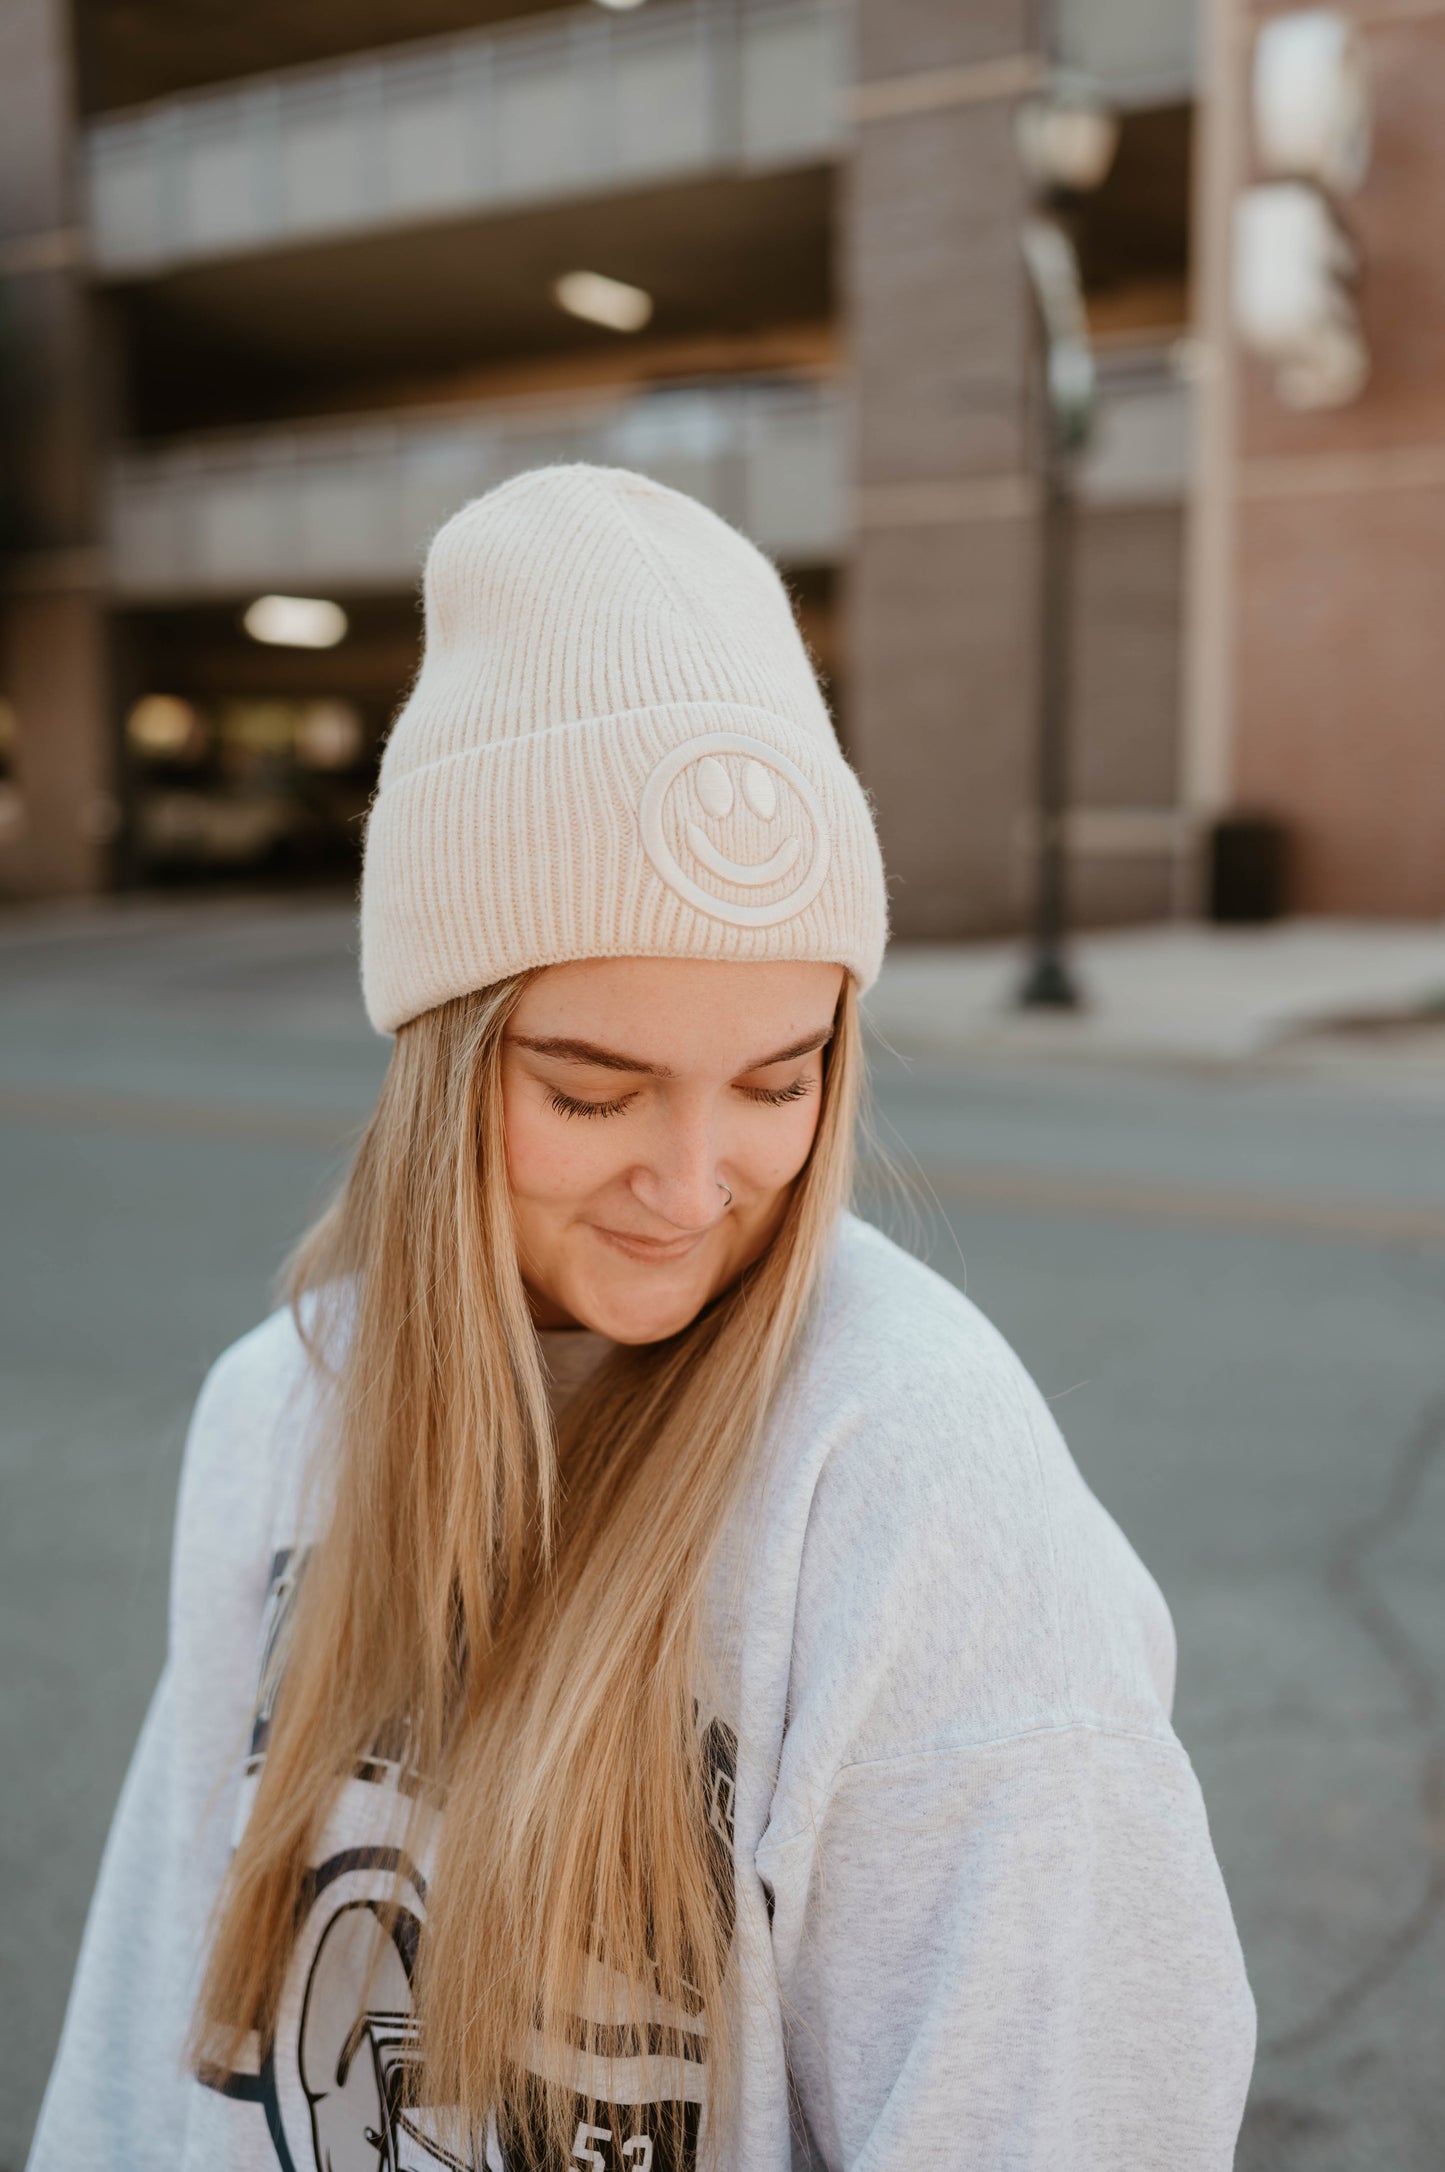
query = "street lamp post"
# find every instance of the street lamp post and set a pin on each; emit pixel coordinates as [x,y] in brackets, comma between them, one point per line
[1066,139]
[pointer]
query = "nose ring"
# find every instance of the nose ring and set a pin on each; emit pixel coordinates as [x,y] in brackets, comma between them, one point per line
[723,1188]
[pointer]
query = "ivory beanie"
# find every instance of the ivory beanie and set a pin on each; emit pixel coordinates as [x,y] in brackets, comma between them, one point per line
[615,747]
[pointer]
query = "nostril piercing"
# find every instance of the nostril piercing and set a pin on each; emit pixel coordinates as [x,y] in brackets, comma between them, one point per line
[723,1188]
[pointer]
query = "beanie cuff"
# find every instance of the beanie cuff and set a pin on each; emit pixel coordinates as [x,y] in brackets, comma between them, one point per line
[692,829]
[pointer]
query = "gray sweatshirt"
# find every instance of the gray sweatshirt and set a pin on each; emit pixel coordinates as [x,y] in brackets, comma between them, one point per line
[979,1921]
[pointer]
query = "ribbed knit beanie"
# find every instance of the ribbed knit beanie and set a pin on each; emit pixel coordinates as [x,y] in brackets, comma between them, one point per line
[615,747]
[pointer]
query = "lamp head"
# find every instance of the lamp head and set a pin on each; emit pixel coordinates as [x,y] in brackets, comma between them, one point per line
[1067,137]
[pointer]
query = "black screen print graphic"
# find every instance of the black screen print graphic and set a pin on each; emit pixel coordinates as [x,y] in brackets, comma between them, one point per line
[339,2088]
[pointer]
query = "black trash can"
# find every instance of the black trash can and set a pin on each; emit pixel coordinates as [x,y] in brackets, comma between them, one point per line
[1248,870]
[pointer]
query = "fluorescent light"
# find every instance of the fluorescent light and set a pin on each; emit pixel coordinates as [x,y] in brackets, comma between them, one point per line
[295,622]
[602,301]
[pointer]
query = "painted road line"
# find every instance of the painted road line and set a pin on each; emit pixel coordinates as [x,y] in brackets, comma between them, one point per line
[1134,1199]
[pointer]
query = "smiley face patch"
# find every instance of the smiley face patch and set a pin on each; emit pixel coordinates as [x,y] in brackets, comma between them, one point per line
[735,829]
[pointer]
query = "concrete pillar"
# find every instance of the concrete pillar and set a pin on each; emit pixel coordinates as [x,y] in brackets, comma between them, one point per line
[53,670]
[942,604]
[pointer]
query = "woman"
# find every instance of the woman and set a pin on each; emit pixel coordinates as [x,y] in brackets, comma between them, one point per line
[647,1685]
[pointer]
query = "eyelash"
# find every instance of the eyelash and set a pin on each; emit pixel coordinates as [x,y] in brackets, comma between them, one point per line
[774,1096]
[771,1097]
[566,1106]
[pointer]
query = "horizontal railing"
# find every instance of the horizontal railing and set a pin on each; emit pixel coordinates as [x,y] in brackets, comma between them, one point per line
[352,506]
[1140,52]
[1142,447]
[576,104]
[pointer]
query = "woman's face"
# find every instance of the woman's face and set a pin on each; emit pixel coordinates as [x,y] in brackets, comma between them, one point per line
[639,1092]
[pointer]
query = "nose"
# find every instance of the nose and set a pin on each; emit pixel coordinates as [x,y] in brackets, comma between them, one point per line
[682,1181]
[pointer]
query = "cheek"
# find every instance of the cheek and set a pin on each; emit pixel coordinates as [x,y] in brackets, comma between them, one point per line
[775,1143]
[551,1161]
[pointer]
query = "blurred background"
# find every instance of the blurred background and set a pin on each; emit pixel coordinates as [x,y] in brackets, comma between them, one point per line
[1082,365]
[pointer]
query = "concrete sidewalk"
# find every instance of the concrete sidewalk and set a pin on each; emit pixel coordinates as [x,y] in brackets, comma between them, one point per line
[1300,992]
[1182,993]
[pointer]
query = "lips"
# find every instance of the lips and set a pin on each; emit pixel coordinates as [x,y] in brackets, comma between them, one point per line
[652,1251]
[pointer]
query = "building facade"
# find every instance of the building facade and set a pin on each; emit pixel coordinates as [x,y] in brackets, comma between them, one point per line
[276,295]
[1318,646]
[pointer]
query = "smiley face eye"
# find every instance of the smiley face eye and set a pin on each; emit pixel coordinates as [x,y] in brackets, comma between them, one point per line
[714,787]
[759,791]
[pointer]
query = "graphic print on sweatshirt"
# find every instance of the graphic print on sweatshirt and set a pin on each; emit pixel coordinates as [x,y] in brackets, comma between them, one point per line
[335,2085]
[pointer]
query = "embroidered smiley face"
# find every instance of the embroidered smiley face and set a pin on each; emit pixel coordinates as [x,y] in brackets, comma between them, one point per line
[735,829]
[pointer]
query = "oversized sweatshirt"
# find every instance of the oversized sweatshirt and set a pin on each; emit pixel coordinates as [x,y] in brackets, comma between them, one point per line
[978,1918]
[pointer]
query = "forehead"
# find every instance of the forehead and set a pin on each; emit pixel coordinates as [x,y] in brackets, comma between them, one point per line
[681,1014]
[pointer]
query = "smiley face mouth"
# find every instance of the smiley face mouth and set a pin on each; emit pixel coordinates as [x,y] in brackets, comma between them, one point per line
[752,875]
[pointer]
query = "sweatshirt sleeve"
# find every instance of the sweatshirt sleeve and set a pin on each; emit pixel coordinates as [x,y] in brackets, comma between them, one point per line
[1020,1956]
[1002,1938]
[118,2092]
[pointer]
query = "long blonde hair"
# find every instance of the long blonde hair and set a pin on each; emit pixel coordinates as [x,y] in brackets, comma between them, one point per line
[530,1603]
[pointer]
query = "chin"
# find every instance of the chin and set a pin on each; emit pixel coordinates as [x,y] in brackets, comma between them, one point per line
[639,1316]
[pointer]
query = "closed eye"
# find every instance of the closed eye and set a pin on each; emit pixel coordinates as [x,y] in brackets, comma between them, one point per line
[569,1105]
[774,1096]
[771,1097]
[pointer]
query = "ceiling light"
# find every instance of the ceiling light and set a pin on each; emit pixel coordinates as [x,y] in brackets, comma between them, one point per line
[295,622]
[602,301]
[161,724]
[620,7]
[329,735]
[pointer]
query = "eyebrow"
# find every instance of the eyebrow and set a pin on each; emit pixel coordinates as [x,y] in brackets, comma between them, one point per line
[612,1059]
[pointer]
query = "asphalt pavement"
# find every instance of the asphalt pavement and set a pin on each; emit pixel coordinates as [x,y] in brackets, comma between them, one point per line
[1228,1277]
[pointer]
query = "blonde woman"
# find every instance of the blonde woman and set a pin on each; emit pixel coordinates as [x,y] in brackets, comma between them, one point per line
[647,1685]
